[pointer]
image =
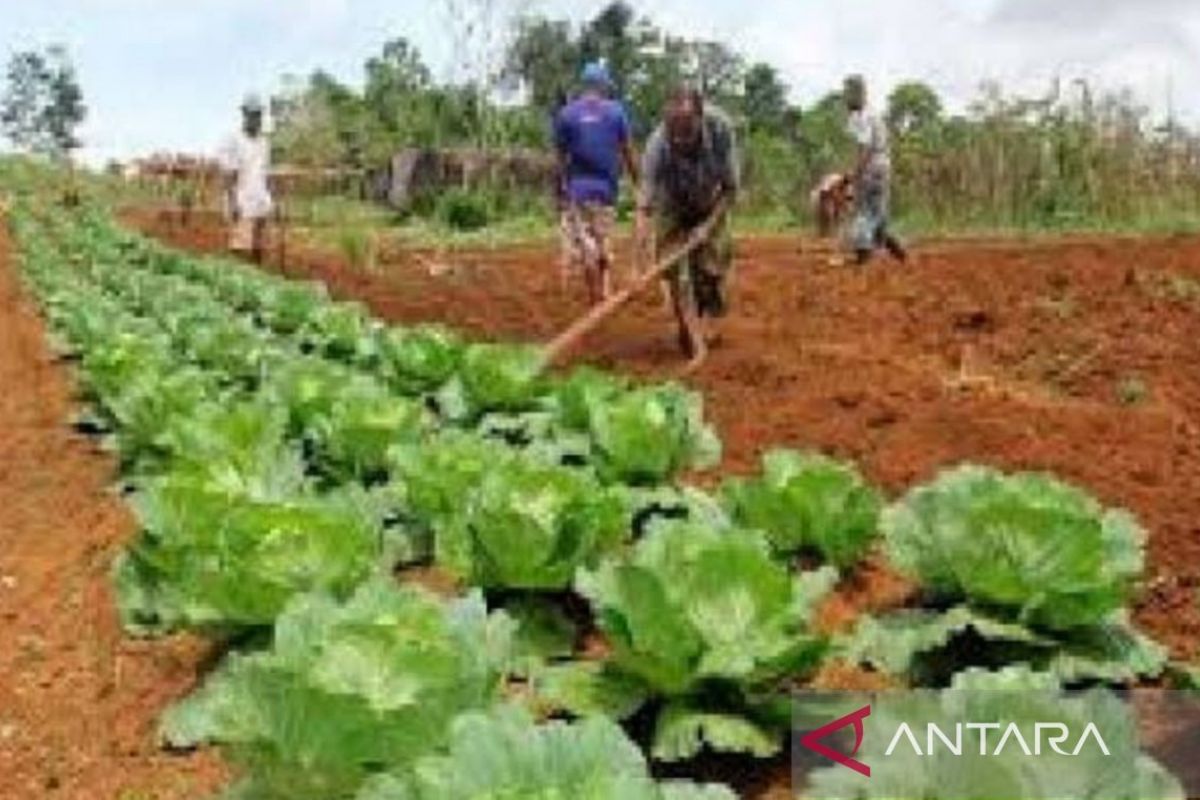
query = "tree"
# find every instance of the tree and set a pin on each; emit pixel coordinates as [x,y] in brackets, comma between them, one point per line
[65,110]
[717,70]
[42,106]
[823,139]
[546,55]
[913,107]
[320,122]
[397,71]
[398,95]
[20,110]
[764,102]
[615,37]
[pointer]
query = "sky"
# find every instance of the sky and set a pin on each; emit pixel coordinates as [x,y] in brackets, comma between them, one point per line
[168,74]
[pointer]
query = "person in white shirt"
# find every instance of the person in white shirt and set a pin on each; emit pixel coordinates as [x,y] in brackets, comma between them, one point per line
[246,160]
[871,177]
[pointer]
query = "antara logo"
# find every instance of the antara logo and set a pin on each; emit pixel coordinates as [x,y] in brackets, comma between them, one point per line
[1053,734]
[813,739]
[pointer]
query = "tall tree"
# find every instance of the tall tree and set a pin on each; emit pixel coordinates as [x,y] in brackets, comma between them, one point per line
[913,107]
[546,55]
[823,139]
[20,109]
[717,69]
[42,106]
[764,101]
[398,95]
[398,70]
[616,37]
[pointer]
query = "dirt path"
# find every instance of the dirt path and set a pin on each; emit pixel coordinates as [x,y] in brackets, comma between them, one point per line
[78,703]
[1079,356]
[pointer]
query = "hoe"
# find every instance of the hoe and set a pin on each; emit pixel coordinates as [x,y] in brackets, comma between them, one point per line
[565,342]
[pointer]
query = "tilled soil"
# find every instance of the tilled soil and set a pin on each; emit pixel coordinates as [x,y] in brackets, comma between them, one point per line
[78,701]
[1080,357]
[1076,357]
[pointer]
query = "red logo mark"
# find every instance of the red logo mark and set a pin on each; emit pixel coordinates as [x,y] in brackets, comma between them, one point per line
[813,739]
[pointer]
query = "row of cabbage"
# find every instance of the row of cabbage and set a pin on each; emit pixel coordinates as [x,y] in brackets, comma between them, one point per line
[286,453]
[264,490]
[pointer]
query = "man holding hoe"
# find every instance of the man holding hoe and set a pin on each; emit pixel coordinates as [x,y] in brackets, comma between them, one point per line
[246,162]
[592,137]
[690,179]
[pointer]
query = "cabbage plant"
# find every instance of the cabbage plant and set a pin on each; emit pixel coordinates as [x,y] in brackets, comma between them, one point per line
[808,502]
[348,690]
[528,525]
[1014,569]
[505,755]
[707,620]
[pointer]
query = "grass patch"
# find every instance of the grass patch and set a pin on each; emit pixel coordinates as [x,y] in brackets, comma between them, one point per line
[1132,391]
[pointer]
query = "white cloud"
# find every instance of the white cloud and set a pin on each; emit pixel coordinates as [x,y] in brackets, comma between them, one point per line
[168,74]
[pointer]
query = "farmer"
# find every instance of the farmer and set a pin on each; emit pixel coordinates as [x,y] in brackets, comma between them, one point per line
[689,173]
[871,177]
[246,162]
[829,200]
[592,137]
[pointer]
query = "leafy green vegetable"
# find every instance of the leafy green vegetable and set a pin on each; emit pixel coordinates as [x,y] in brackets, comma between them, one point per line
[435,477]
[1038,571]
[668,504]
[581,391]
[240,352]
[343,331]
[292,305]
[929,647]
[587,689]
[647,435]
[530,526]
[149,403]
[806,501]
[310,388]
[348,691]
[239,448]
[504,756]
[693,603]
[113,359]
[497,377]
[1029,545]
[362,426]
[684,731]
[207,558]
[421,359]
[544,632]
[694,608]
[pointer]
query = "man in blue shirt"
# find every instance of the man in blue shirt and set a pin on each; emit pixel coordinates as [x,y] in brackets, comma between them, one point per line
[592,137]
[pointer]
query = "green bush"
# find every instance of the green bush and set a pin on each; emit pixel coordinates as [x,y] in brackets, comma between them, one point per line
[464,210]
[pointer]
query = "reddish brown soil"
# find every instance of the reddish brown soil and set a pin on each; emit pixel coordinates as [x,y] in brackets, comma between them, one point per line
[1079,357]
[78,702]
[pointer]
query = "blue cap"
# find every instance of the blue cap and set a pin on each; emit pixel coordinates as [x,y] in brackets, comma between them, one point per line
[596,74]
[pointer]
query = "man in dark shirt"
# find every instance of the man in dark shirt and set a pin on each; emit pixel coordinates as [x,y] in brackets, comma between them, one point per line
[690,170]
[592,138]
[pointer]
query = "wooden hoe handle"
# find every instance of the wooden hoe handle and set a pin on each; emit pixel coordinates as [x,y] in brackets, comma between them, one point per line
[598,314]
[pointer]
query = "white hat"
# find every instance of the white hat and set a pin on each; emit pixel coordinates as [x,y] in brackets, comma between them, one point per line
[252,102]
